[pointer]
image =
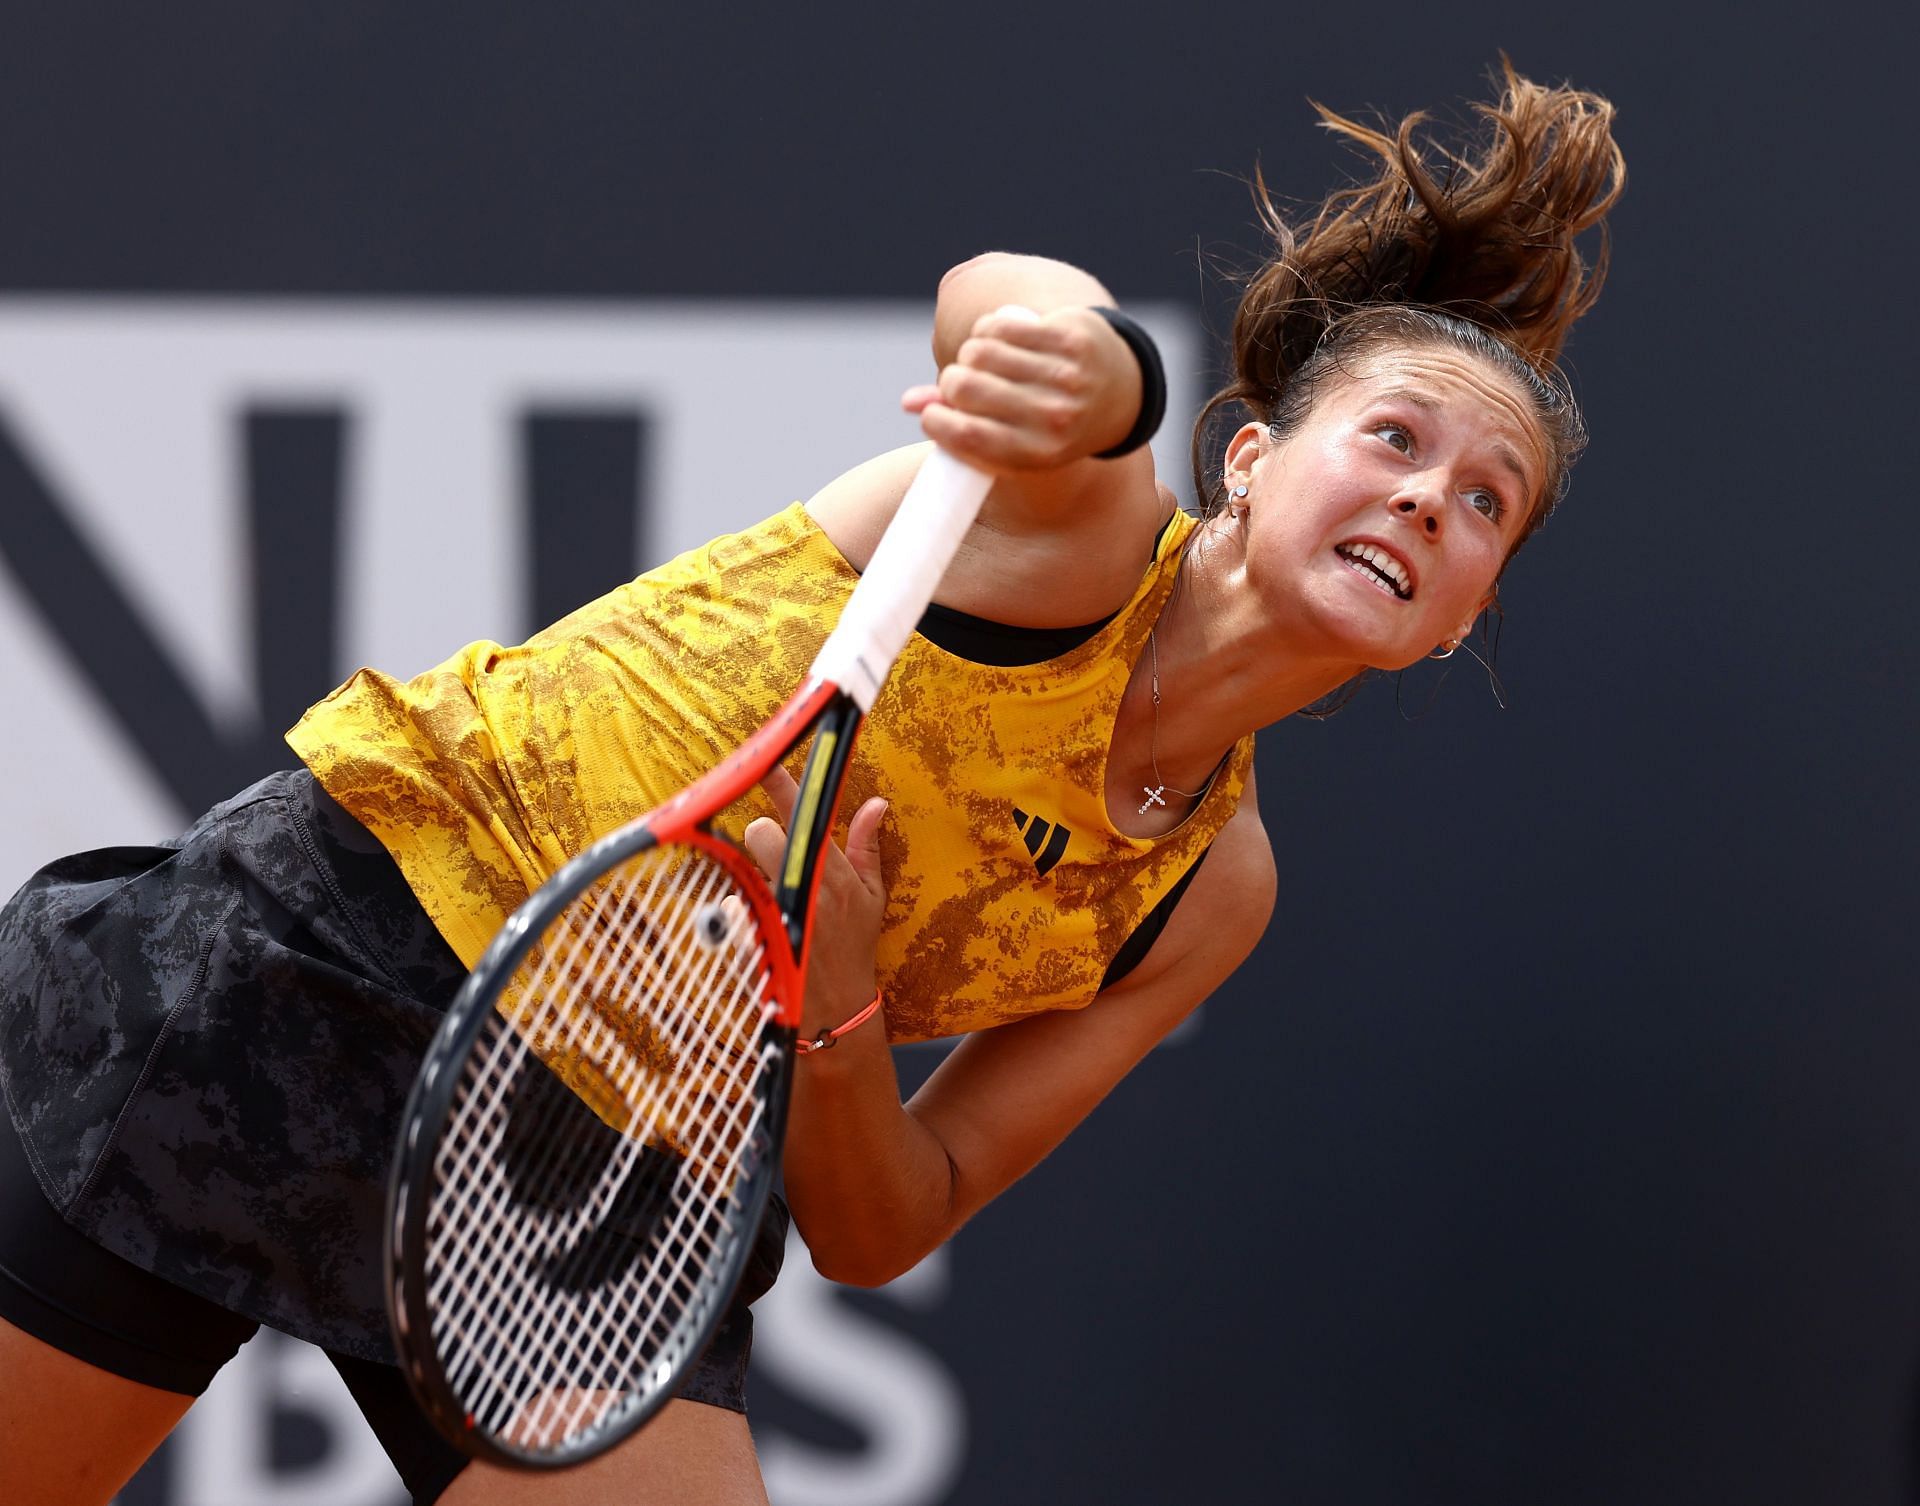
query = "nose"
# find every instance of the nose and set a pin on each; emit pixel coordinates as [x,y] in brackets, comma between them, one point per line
[1421,507]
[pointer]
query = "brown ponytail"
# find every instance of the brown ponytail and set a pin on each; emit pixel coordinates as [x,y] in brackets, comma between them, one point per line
[1487,236]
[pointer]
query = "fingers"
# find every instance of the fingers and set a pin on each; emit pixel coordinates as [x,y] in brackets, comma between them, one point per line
[1005,384]
[1057,359]
[1024,393]
[850,904]
[781,788]
[1021,326]
[1048,364]
[863,843]
[994,445]
[765,840]
[996,423]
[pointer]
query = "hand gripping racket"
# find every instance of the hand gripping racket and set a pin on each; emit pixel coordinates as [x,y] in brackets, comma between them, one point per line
[590,1142]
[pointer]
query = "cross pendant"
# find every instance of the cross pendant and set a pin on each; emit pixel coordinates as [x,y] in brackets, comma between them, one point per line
[1153,798]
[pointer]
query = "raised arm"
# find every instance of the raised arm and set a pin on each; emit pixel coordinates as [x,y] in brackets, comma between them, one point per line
[1035,401]
[1018,395]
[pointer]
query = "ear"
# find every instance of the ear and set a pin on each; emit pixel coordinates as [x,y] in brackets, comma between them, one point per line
[1244,450]
[1465,630]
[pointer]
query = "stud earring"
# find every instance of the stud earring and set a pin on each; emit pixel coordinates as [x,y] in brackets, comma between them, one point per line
[1236,495]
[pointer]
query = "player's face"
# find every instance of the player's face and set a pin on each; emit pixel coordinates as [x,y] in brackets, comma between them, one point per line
[1384,520]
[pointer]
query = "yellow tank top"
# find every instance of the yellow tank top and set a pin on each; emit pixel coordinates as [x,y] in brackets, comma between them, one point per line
[1009,890]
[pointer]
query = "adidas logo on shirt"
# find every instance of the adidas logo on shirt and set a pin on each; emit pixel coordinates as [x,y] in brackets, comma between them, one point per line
[1047,843]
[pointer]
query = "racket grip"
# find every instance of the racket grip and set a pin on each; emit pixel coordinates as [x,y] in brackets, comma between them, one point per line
[902,576]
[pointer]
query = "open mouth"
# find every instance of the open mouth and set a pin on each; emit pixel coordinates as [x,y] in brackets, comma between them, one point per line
[1375,564]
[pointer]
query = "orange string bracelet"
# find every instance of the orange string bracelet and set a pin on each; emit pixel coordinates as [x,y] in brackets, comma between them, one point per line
[832,1037]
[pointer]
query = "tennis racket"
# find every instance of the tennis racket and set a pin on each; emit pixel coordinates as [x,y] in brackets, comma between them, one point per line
[593,1134]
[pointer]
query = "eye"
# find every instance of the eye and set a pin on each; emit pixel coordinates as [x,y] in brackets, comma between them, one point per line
[1487,504]
[1400,438]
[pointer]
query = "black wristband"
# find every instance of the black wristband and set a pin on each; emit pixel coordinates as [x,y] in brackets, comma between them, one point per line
[1153,383]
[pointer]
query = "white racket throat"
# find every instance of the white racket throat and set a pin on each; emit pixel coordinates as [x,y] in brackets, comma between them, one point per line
[900,579]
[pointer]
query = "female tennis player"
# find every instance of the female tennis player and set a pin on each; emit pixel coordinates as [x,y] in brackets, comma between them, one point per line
[1054,849]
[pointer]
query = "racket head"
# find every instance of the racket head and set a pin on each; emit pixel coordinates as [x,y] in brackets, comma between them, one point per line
[589,1147]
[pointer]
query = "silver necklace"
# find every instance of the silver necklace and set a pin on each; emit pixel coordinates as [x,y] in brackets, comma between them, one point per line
[1157,794]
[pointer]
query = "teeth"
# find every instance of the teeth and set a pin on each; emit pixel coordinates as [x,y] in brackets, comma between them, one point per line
[1381,566]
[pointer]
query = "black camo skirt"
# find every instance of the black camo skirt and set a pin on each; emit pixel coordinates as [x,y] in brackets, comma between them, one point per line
[206,1047]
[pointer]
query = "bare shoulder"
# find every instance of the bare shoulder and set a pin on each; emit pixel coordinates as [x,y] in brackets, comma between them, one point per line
[1060,572]
[855,507]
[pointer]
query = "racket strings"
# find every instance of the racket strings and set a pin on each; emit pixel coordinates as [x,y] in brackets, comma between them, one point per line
[609,1317]
[601,1319]
[593,1212]
[625,1048]
[552,1032]
[599,1135]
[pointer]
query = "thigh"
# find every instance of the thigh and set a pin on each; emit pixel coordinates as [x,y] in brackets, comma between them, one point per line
[72,1434]
[98,1358]
[692,1454]
[698,1450]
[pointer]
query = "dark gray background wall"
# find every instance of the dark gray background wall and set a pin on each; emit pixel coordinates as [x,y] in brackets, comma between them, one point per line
[1560,1143]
